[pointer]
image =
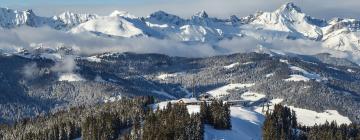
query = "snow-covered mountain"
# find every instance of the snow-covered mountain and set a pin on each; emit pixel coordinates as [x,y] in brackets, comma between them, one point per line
[288,22]
[289,18]
[13,18]
[68,20]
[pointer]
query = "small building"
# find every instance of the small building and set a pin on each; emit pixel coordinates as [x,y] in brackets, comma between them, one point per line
[205,97]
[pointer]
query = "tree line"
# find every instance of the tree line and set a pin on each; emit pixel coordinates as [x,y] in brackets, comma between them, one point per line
[174,121]
[217,114]
[105,121]
[126,119]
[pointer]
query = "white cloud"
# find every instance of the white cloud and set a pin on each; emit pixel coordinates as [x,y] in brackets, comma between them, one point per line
[88,44]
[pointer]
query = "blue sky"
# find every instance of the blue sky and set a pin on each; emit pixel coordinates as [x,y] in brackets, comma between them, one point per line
[219,8]
[73,2]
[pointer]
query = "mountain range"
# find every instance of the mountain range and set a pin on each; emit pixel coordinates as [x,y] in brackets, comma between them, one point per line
[286,22]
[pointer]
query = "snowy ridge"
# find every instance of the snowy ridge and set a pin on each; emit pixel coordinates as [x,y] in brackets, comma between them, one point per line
[68,20]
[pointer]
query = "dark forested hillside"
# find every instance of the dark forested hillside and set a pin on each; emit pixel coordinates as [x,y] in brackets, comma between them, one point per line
[30,86]
[127,119]
[106,121]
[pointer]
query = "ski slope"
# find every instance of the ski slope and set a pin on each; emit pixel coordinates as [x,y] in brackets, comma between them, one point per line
[246,125]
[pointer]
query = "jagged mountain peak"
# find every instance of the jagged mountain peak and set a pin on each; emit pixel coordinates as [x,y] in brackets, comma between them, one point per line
[161,16]
[201,14]
[234,19]
[290,6]
[289,18]
[71,15]
[10,18]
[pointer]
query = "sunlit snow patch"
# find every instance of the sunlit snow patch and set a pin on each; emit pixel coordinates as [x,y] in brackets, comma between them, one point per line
[232,65]
[350,70]
[165,76]
[236,64]
[93,59]
[284,61]
[222,91]
[70,77]
[112,99]
[296,78]
[269,75]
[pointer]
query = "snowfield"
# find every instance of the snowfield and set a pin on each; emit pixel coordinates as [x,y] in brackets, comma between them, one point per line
[308,117]
[224,89]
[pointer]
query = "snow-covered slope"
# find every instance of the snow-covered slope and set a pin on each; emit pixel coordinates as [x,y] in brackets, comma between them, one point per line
[113,25]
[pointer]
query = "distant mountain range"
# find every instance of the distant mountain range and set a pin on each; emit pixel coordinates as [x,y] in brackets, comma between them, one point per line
[287,22]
